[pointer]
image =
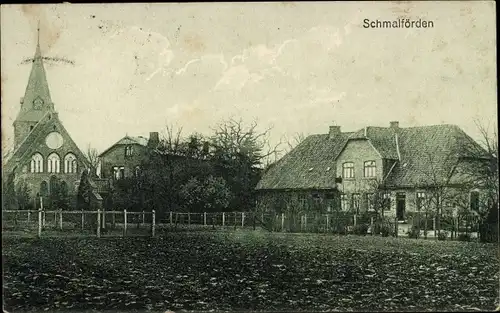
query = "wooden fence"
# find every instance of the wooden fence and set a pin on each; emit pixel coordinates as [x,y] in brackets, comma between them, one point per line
[126,223]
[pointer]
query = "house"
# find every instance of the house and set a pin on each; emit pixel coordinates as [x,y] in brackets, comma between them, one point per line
[397,169]
[123,159]
[45,157]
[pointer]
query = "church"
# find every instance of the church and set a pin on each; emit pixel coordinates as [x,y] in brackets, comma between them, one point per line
[45,158]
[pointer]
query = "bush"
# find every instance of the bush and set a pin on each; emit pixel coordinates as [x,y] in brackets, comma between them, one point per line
[442,235]
[414,233]
[360,229]
[464,237]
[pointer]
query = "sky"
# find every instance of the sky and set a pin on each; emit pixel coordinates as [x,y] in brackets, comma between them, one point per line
[296,67]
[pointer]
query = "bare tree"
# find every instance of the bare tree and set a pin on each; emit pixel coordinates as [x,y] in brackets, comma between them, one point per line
[294,141]
[93,158]
[233,138]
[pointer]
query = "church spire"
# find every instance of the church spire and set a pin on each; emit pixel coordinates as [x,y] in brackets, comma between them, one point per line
[36,101]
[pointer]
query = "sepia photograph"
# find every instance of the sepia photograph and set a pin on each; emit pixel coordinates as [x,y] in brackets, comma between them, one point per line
[250,157]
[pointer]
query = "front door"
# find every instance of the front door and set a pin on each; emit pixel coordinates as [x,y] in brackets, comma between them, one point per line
[400,206]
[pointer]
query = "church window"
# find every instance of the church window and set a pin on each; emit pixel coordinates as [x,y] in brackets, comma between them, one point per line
[44,189]
[54,184]
[70,165]
[53,163]
[36,164]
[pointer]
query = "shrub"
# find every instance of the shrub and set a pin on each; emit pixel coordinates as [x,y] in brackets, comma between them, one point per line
[464,237]
[360,229]
[442,235]
[414,233]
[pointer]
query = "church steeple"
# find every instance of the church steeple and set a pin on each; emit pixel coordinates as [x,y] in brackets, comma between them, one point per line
[36,101]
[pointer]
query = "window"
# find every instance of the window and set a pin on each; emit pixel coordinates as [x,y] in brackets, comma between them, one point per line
[370,169]
[344,204]
[54,185]
[348,170]
[64,188]
[44,189]
[370,201]
[70,165]
[36,164]
[129,150]
[53,163]
[474,201]
[355,202]
[302,200]
[420,201]
[118,172]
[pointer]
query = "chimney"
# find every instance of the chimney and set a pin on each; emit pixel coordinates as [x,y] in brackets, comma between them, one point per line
[154,139]
[334,131]
[394,124]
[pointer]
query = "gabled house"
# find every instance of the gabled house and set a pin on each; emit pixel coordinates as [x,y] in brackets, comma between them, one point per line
[123,159]
[399,169]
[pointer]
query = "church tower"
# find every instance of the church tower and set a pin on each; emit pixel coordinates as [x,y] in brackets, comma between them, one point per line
[45,157]
[36,101]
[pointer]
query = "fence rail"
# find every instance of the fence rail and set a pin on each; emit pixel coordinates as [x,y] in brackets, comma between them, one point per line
[128,223]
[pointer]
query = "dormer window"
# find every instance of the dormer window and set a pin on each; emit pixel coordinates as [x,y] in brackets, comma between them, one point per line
[129,150]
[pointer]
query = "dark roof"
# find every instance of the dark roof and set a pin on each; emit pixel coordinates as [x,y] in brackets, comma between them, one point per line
[305,167]
[428,154]
[310,165]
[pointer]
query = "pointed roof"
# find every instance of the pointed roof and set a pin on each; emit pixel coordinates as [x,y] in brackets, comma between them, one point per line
[37,91]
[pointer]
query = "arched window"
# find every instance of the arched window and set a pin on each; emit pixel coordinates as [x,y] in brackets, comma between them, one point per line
[70,165]
[53,163]
[54,185]
[36,164]
[44,189]
[64,188]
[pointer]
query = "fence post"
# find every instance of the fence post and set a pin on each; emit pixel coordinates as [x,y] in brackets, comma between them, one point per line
[434,227]
[153,221]
[103,219]
[39,222]
[124,223]
[371,225]
[305,222]
[170,215]
[204,218]
[60,220]
[282,222]
[98,223]
[242,219]
[327,223]
[223,218]
[83,220]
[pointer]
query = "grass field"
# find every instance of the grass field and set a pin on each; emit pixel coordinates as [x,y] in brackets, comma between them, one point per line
[245,270]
